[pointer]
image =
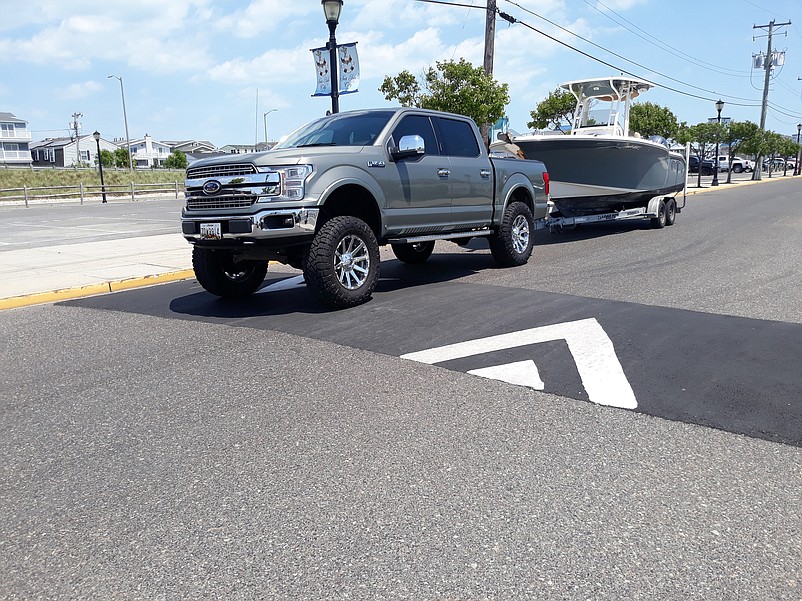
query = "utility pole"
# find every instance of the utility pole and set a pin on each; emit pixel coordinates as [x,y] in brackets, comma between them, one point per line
[75,124]
[490,39]
[767,65]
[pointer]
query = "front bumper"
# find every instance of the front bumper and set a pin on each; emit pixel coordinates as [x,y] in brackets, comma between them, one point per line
[264,226]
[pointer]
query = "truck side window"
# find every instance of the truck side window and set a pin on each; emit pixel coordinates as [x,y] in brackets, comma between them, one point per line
[458,138]
[419,125]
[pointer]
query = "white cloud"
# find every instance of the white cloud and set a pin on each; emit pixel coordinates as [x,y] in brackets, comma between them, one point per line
[82,90]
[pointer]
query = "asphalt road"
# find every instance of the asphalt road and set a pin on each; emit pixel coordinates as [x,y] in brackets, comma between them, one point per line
[159,443]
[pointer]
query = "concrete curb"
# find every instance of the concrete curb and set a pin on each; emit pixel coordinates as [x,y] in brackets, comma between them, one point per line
[94,289]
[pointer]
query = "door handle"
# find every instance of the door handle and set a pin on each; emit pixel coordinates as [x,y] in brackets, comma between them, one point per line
[485,173]
[443,173]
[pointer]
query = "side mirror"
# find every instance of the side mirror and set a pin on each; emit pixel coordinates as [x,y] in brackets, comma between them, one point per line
[410,146]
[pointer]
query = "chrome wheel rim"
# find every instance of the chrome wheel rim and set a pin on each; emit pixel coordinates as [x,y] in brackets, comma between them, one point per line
[351,262]
[520,234]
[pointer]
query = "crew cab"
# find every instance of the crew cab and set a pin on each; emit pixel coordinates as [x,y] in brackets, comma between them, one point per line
[336,189]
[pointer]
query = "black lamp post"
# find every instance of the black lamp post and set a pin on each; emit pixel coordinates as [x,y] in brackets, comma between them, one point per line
[96,136]
[332,8]
[798,167]
[719,107]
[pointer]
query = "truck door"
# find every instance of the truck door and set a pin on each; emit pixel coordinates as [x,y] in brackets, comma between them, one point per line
[471,176]
[417,189]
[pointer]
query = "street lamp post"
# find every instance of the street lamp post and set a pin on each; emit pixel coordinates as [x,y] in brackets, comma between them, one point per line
[332,8]
[96,135]
[798,167]
[265,118]
[719,107]
[125,117]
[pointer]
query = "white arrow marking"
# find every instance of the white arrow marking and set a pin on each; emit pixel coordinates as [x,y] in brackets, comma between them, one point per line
[521,373]
[596,361]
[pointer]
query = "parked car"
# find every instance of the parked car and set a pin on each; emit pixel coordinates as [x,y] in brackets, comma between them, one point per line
[706,165]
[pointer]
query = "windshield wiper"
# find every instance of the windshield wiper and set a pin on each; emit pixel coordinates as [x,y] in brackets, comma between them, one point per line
[317,144]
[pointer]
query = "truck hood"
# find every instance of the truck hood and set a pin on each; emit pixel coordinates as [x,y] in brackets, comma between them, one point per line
[287,156]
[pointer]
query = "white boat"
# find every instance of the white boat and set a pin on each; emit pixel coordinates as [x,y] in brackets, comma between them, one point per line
[601,166]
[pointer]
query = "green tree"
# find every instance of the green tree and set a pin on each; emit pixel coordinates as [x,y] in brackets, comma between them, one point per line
[107,158]
[553,112]
[176,160]
[456,87]
[703,137]
[121,157]
[649,119]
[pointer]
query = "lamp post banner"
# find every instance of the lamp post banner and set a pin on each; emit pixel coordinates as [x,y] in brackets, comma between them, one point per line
[323,72]
[349,68]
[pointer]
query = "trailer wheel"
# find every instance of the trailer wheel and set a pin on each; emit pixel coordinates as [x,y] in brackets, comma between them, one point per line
[342,265]
[659,222]
[511,245]
[220,274]
[671,211]
[414,253]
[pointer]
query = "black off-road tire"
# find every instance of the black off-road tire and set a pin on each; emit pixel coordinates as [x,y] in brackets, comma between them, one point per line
[659,222]
[220,274]
[413,253]
[512,245]
[342,265]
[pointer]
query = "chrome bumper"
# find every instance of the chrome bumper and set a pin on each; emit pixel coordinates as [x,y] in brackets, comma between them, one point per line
[264,225]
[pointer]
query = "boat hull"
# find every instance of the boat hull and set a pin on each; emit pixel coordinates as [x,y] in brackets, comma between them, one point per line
[595,174]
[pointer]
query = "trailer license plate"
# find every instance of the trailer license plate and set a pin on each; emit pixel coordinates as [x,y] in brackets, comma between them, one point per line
[210,231]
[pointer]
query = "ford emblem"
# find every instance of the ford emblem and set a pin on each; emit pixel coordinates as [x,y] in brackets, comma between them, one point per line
[212,187]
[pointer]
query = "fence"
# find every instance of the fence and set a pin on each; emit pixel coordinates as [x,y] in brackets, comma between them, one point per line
[83,191]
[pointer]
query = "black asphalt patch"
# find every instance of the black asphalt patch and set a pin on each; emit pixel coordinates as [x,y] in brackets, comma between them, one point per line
[732,373]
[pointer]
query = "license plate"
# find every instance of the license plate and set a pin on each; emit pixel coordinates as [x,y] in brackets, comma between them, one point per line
[210,231]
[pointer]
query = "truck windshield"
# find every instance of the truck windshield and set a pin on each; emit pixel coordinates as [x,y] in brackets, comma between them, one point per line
[345,129]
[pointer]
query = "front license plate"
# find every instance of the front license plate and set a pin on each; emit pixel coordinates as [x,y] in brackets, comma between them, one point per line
[210,231]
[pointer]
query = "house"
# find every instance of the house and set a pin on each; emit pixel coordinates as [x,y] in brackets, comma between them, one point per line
[14,140]
[190,146]
[64,152]
[240,148]
[148,152]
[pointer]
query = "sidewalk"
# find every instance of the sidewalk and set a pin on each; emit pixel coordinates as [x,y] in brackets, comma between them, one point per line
[53,273]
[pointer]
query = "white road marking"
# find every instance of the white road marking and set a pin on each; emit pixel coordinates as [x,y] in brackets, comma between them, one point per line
[592,350]
[520,373]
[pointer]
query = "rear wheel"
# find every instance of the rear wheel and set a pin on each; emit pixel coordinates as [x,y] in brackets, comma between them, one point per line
[342,265]
[512,244]
[737,169]
[414,253]
[220,273]
[671,211]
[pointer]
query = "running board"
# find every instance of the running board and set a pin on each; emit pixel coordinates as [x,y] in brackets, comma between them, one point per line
[432,237]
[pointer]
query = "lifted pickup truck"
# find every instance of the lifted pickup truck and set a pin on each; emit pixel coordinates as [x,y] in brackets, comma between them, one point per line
[326,198]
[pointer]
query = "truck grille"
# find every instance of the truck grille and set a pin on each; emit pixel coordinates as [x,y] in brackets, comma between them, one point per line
[202,203]
[220,171]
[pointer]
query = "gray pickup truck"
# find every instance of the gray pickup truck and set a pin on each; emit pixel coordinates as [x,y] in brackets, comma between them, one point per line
[328,196]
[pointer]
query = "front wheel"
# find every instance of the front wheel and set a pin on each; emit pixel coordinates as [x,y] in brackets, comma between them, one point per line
[342,265]
[414,253]
[220,273]
[511,246]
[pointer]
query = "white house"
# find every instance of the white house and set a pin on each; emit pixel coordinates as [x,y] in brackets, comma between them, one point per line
[14,140]
[63,152]
[148,152]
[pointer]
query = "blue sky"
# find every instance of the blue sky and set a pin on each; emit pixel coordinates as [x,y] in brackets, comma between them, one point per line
[191,68]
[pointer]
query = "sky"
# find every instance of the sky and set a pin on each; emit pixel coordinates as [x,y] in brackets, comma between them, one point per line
[210,69]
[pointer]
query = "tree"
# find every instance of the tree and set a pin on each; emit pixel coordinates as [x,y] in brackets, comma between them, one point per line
[554,112]
[121,157]
[456,87]
[704,135]
[176,160]
[735,135]
[649,119]
[107,158]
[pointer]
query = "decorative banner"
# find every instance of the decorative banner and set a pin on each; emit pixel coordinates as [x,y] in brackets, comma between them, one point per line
[349,68]
[321,56]
[348,79]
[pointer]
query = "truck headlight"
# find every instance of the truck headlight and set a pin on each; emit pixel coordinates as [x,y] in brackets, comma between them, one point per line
[293,179]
